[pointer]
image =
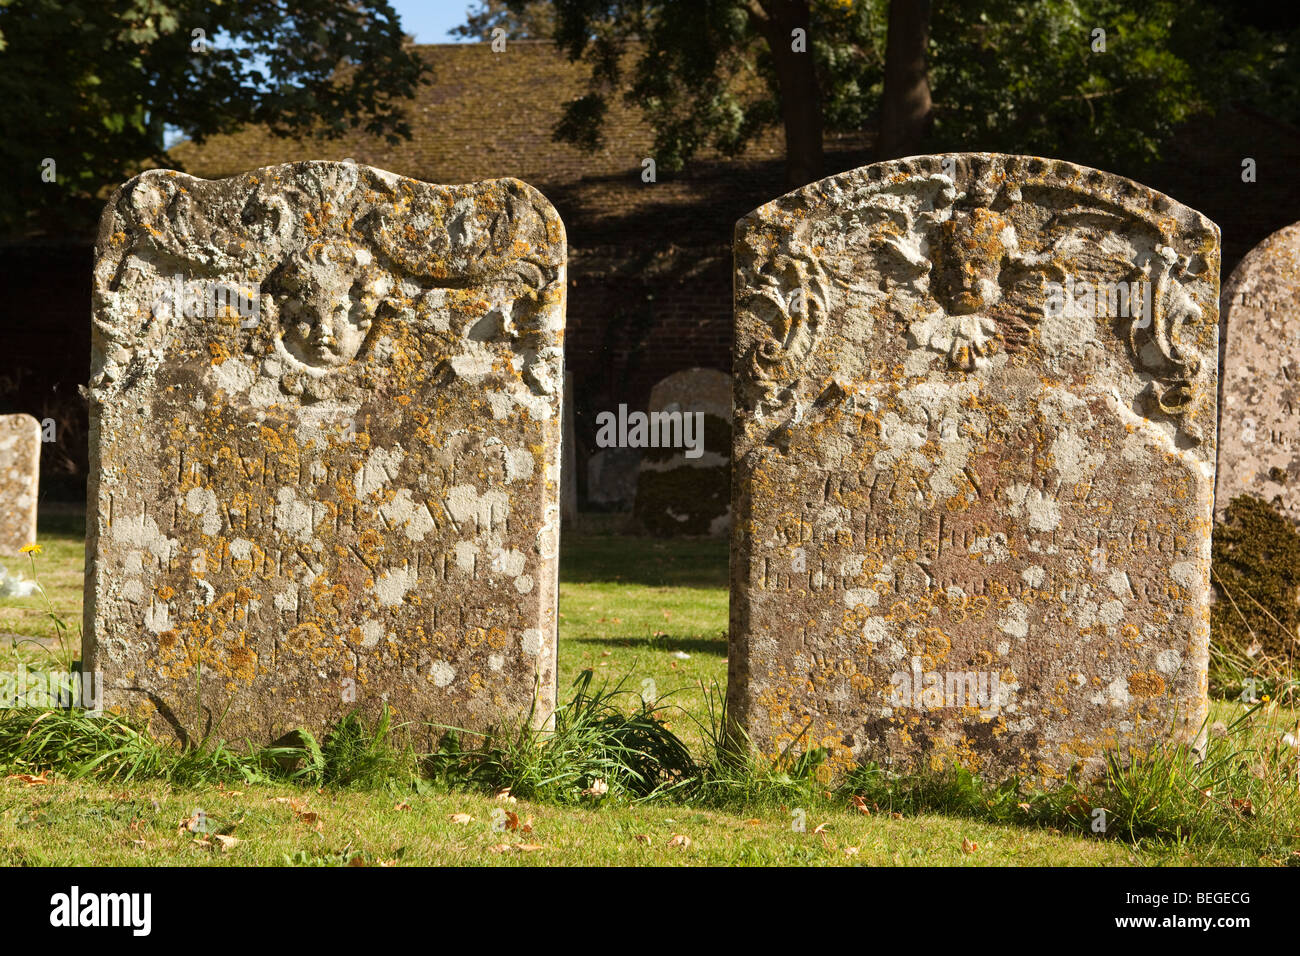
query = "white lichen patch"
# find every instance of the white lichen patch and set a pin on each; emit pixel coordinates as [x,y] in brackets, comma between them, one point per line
[392,585]
[412,517]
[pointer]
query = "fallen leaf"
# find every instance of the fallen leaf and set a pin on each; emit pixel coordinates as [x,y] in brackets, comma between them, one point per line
[528,847]
[850,851]
[753,822]
[1244,807]
[227,842]
[309,817]
[357,860]
[28,780]
[598,788]
[861,805]
[642,838]
[821,828]
[969,846]
[500,848]
[1023,806]
[896,815]
[461,818]
[504,796]
[681,840]
[512,820]
[526,826]
[402,806]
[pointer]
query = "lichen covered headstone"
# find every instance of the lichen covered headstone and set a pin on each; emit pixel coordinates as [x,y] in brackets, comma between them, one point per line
[683,485]
[325,450]
[1259,412]
[974,473]
[20,469]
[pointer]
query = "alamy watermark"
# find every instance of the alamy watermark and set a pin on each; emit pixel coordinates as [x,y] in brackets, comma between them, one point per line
[920,689]
[1100,300]
[175,296]
[52,690]
[666,429]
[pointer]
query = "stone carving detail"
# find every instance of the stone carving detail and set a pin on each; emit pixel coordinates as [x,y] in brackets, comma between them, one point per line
[973,483]
[971,269]
[347,493]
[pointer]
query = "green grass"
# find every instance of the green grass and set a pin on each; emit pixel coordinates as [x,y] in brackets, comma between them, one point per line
[627,767]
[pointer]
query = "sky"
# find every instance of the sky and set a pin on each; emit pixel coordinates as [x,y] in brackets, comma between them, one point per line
[430,20]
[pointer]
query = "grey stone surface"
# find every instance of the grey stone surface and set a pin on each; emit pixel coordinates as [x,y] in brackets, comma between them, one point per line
[1259,408]
[20,469]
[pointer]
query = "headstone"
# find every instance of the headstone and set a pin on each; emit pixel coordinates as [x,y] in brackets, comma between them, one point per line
[974,482]
[1259,418]
[611,478]
[344,492]
[20,468]
[568,461]
[685,490]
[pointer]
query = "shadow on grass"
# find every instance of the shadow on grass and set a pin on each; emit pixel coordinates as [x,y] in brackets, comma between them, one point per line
[692,645]
[653,562]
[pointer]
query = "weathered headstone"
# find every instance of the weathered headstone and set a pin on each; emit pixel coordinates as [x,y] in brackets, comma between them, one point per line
[344,492]
[1259,410]
[974,481]
[611,478]
[20,468]
[684,485]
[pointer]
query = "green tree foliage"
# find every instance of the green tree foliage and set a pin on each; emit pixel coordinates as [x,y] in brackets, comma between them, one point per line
[93,86]
[531,20]
[1005,75]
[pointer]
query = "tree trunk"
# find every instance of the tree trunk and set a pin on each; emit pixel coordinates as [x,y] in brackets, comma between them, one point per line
[801,112]
[905,105]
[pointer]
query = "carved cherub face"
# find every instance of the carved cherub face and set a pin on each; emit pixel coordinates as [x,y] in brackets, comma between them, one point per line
[331,292]
[968,261]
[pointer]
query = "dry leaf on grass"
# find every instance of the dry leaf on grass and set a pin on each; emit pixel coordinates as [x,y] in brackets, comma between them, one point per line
[28,780]
[226,842]
[461,818]
[681,840]
[969,846]
[504,796]
[822,828]
[861,805]
[753,822]
[642,838]
[402,806]
[850,851]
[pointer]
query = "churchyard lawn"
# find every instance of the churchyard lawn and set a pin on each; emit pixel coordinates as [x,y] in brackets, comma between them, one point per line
[652,614]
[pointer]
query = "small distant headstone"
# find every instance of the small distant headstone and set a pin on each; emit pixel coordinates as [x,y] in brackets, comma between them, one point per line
[1259,410]
[684,481]
[611,478]
[325,450]
[20,469]
[974,449]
